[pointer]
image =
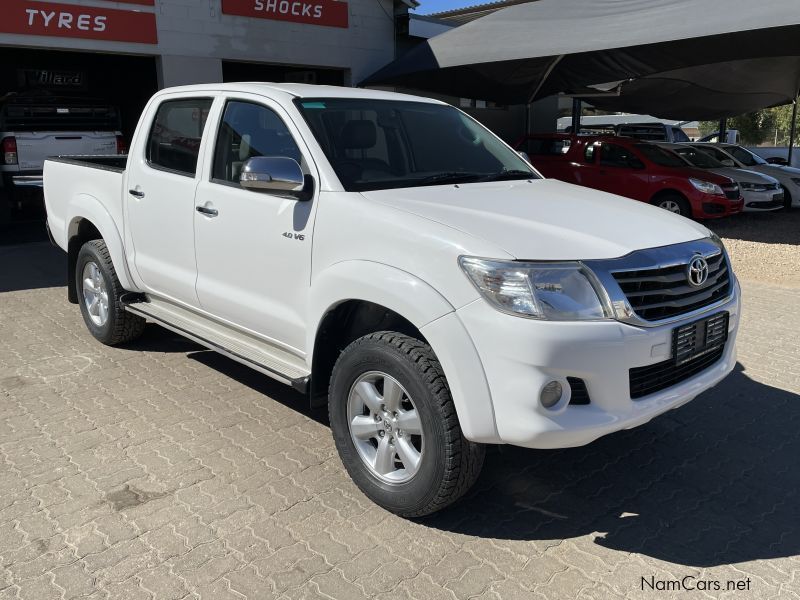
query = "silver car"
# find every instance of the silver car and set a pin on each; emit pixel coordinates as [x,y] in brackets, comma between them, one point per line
[760,192]
[734,155]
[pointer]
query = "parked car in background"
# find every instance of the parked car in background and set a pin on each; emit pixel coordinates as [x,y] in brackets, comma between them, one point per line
[760,192]
[733,155]
[36,125]
[731,137]
[652,132]
[392,258]
[635,169]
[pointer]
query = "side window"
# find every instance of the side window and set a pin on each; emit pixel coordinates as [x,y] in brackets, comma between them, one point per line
[175,136]
[248,130]
[679,135]
[612,155]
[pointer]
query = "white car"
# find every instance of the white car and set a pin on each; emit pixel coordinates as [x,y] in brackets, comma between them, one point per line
[760,192]
[732,155]
[390,257]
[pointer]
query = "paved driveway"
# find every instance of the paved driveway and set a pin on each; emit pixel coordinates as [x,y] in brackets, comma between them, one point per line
[161,470]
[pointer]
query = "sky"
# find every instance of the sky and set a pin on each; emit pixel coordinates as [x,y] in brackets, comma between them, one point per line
[431,6]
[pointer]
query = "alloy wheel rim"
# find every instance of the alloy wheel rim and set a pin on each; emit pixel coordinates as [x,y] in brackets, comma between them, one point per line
[385,427]
[671,206]
[95,294]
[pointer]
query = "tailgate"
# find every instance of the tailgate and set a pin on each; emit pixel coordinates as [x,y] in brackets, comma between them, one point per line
[34,147]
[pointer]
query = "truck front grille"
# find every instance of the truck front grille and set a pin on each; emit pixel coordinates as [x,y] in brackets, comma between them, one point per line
[661,293]
[654,378]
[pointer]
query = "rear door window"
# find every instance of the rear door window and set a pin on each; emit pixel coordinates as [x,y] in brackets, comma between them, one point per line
[174,142]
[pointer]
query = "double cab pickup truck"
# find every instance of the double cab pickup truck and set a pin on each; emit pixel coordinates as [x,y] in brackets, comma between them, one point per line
[390,257]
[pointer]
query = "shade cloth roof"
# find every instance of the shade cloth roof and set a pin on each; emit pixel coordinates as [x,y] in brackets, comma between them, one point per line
[690,58]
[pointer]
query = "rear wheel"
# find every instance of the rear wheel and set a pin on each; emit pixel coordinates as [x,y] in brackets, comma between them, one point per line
[674,203]
[100,291]
[395,425]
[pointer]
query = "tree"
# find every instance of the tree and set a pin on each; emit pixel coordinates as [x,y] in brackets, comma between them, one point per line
[771,125]
[754,127]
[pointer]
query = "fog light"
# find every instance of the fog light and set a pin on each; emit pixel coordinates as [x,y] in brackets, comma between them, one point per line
[551,394]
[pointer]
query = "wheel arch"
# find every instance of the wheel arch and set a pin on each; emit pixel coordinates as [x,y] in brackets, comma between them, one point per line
[679,195]
[385,298]
[90,221]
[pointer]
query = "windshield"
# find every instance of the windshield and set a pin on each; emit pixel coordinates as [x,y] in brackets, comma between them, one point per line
[382,144]
[661,157]
[697,158]
[745,157]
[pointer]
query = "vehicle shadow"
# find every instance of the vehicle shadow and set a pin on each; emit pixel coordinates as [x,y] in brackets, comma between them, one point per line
[779,227]
[712,483]
[31,266]
[260,383]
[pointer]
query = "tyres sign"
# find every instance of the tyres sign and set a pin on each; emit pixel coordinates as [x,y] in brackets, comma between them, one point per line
[331,13]
[51,19]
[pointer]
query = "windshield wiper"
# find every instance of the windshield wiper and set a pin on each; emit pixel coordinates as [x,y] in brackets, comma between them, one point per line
[509,174]
[451,176]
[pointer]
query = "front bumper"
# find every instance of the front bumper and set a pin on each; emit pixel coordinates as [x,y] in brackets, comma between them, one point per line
[715,207]
[519,356]
[761,201]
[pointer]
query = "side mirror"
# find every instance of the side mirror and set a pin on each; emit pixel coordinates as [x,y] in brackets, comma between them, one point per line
[524,156]
[273,174]
[778,160]
[728,162]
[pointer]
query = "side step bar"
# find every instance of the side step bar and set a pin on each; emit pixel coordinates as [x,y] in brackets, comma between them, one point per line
[239,346]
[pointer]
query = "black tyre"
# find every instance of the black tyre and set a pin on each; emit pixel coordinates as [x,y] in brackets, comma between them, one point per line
[787,198]
[99,293]
[395,425]
[674,203]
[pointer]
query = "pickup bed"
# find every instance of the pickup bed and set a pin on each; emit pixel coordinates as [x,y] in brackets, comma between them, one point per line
[389,257]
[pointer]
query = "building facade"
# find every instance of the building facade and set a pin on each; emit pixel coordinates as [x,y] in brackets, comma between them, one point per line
[122,51]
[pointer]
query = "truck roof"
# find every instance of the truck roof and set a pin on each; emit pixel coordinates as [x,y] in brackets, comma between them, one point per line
[298,90]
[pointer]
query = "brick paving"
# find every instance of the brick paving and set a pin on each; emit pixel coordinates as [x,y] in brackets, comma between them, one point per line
[161,470]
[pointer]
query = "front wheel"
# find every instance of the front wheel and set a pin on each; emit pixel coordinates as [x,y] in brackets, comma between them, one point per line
[674,203]
[100,291]
[395,425]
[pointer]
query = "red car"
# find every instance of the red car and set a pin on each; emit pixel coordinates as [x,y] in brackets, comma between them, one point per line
[635,169]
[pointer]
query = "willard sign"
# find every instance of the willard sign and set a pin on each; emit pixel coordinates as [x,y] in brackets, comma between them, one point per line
[68,20]
[330,13]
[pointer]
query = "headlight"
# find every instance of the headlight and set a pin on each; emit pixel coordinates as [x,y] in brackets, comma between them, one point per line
[706,187]
[565,291]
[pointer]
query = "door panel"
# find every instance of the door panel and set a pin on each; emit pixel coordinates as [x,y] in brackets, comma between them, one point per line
[254,254]
[160,204]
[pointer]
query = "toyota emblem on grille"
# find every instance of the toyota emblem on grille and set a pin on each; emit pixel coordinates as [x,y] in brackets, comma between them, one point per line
[697,271]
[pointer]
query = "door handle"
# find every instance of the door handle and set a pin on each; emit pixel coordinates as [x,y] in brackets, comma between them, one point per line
[136,193]
[209,212]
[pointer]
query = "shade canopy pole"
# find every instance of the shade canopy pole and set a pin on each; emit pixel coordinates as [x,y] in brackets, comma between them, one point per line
[723,130]
[793,129]
[577,107]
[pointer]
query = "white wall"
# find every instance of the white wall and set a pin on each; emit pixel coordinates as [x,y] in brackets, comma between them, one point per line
[194,37]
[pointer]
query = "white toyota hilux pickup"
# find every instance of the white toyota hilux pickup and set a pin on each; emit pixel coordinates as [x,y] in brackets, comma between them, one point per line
[390,256]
